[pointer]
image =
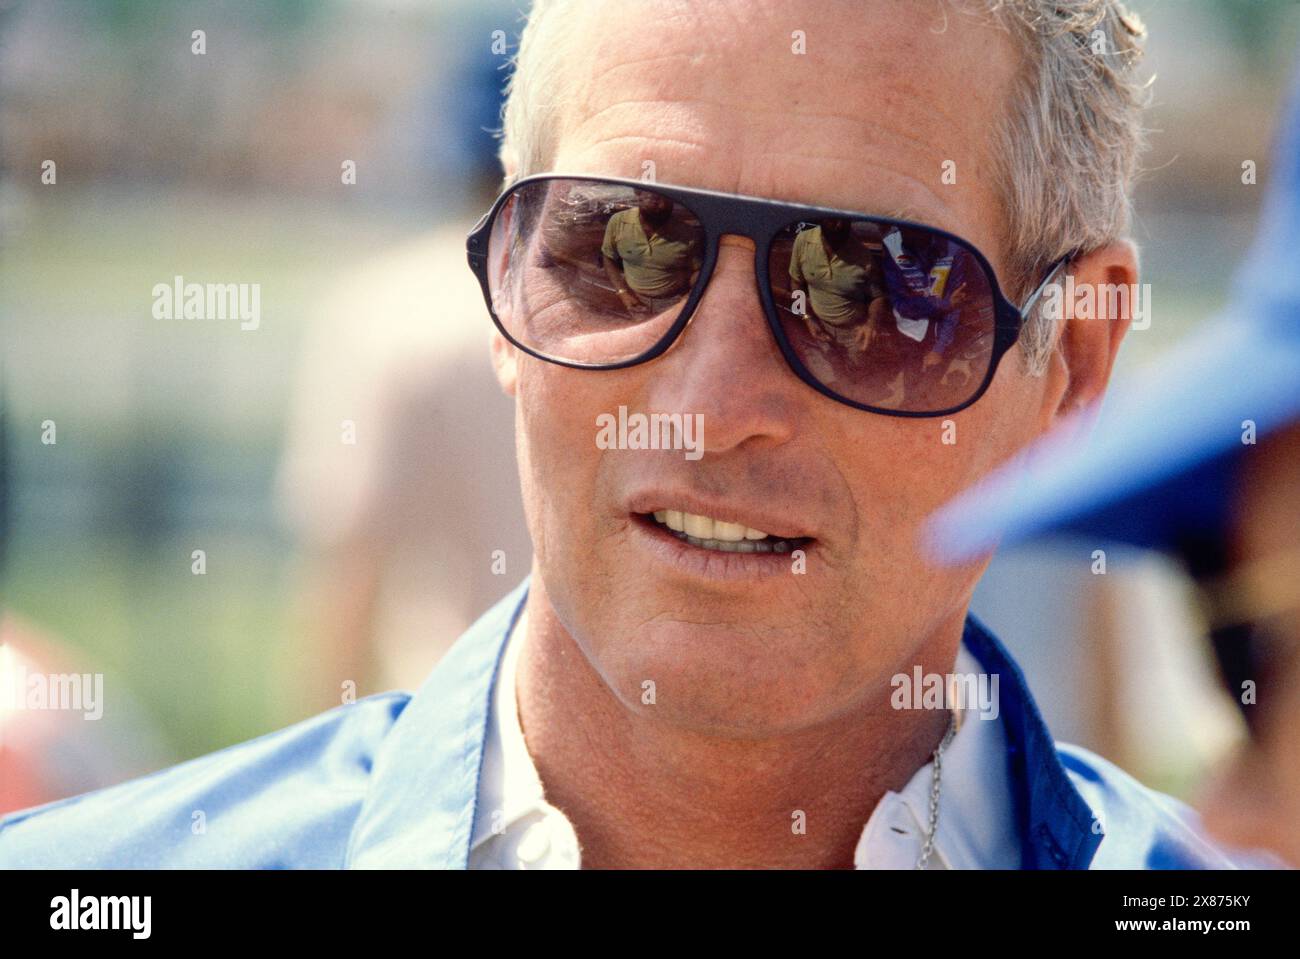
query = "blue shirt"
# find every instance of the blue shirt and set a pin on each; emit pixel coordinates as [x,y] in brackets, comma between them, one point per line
[392,781]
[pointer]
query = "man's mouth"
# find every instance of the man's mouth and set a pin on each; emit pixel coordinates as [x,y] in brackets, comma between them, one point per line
[715,534]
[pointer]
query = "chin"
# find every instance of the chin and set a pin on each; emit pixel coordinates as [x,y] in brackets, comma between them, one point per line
[723,679]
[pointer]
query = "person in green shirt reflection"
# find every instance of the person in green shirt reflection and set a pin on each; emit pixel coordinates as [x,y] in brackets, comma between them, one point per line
[840,279]
[651,256]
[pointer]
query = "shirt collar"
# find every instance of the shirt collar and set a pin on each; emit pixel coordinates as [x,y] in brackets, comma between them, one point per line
[420,808]
[509,787]
[976,827]
[514,826]
[1057,828]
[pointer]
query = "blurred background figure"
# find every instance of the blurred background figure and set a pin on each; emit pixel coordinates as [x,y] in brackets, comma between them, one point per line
[399,477]
[1198,455]
[412,531]
[347,468]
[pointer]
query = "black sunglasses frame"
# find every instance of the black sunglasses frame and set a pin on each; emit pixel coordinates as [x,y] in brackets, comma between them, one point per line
[759,219]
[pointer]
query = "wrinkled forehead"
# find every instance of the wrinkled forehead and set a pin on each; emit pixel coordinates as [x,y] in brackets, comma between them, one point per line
[871,105]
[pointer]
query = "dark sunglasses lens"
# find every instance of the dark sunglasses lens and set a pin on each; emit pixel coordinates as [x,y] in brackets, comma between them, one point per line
[589,272]
[894,318]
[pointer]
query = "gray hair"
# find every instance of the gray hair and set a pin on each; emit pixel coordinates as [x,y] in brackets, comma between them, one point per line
[1067,146]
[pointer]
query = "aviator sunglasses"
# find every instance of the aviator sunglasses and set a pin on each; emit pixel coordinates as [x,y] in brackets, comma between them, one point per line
[884,315]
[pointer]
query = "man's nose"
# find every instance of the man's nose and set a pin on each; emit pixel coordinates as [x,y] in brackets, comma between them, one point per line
[726,365]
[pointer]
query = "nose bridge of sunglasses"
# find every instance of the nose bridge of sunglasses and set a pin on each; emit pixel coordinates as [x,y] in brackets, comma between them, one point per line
[735,270]
[736,240]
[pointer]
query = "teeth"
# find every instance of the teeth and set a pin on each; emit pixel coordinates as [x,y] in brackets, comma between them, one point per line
[728,532]
[701,527]
[737,546]
[716,534]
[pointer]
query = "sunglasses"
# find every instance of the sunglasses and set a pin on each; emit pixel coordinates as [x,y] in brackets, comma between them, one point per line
[884,315]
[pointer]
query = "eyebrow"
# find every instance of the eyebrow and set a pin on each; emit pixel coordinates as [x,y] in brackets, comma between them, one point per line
[891,211]
[903,213]
[907,212]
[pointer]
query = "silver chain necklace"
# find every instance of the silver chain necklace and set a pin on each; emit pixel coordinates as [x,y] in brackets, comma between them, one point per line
[928,847]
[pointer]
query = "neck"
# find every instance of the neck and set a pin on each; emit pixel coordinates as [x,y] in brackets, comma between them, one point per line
[645,794]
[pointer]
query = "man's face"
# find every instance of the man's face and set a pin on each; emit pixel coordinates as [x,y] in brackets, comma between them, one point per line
[655,207]
[835,231]
[742,644]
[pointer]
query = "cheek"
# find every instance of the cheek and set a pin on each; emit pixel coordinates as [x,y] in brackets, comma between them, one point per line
[543,390]
[559,404]
[560,463]
[902,470]
[1008,417]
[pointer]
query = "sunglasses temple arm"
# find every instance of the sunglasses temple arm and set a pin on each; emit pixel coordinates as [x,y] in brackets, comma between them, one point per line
[1052,271]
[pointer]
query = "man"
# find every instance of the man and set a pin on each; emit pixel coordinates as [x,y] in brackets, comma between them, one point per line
[646,255]
[733,692]
[837,274]
[1202,461]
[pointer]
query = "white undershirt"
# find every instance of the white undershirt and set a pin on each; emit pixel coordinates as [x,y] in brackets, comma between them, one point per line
[516,828]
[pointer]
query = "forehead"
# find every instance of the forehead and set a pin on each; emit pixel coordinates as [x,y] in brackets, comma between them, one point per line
[868,105]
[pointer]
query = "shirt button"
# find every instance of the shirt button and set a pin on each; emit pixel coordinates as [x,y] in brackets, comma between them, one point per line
[535,844]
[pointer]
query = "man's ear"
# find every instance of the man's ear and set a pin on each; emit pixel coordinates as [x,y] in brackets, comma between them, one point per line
[1097,315]
[505,358]
[505,361]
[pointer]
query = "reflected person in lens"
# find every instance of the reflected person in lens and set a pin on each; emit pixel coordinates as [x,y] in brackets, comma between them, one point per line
[650,257]
[837,274]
